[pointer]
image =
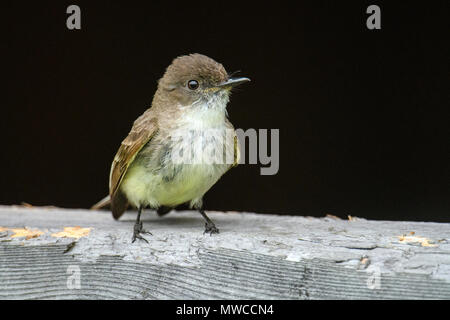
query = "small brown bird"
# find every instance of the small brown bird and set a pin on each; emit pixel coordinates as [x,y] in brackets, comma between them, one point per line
[161,163]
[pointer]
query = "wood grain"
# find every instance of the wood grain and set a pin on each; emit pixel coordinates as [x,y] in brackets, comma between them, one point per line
[254,257]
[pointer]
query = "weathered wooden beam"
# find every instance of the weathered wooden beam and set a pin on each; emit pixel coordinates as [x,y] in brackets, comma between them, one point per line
[253,257]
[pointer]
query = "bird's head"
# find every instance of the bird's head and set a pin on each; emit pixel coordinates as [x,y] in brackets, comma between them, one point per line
[197,79]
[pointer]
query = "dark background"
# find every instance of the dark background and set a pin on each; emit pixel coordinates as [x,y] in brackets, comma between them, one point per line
[363,115]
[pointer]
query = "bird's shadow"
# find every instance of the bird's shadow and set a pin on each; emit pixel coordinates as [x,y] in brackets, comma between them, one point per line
[167,220]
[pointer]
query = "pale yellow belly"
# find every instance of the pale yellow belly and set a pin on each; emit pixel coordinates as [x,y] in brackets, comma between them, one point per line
[144,187]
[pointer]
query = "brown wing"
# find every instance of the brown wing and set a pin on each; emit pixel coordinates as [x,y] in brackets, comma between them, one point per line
[144,128]
[237,153]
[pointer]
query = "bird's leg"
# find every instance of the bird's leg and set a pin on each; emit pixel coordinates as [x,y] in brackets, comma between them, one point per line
[210,227]
[138,228]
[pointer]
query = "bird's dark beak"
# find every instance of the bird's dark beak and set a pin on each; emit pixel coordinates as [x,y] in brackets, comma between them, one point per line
[232,82]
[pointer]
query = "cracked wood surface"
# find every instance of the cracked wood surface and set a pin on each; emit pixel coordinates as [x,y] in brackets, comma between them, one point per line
[253,257]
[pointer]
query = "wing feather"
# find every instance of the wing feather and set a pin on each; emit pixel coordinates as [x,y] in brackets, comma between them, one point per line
[236,148]
[144,128]
[237,153]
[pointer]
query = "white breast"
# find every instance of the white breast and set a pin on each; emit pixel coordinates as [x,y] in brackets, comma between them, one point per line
[188,182]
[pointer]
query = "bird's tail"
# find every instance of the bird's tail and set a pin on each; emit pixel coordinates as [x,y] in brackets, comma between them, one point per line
[106,201]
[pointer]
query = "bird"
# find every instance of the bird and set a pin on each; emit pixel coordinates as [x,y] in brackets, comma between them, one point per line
[161,163]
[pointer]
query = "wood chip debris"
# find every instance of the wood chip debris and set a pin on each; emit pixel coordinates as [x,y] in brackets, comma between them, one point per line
[412,239]
[332,216]
[23,232]
[72,232]
[29,233]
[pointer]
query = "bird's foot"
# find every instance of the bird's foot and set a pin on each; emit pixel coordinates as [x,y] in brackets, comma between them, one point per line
[210,228]
[137,232]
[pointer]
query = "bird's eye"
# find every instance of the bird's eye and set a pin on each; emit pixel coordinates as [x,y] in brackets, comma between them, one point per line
[193,84]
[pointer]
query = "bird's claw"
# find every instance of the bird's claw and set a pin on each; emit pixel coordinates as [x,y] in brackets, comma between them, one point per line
[210,228]
[137,232]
